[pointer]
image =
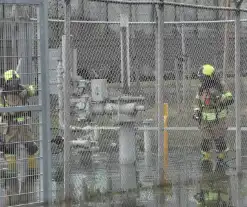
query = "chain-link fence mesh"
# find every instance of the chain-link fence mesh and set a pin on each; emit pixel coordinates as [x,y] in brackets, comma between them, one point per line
[21,152]
[94,159]
[187,47]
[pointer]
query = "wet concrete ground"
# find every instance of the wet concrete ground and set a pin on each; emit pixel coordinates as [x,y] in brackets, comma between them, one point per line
[104,174]
[184,172]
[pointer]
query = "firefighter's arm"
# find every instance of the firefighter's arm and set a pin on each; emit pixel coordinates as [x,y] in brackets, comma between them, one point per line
[29,90]
[196,107]
[226,98]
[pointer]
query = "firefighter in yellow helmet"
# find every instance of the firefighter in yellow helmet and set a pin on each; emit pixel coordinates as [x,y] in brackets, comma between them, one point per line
[211,109]
[17,138]
[15,94]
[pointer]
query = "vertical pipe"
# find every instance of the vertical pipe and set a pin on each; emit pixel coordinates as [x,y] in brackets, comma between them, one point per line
[60,80]
[127,143]
[22,50]
[127,156]
[29,74]
[166,141]
[13,43]
[237,92]
[148,140]
[46,122]
[124,24]
[67,131]
[160,85]
[74,62]
[177,84]
[183,58]
[226,40]
[4,42]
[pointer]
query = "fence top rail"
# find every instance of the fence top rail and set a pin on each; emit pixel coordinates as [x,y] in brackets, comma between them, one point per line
[170,4]
[89,128]
[115,22]
[29,2]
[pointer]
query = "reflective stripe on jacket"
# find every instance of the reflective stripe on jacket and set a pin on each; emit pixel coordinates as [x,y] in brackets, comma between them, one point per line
[212,112]
[213,116]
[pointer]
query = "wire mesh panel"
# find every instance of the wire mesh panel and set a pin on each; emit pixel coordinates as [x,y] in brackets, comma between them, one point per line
[23,103]
[193,46]
[96,163]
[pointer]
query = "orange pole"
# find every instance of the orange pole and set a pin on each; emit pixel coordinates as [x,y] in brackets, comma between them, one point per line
[165,140]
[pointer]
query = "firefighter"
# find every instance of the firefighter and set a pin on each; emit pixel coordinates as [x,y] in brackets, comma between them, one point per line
[210,110]
[15,94]
[18,137]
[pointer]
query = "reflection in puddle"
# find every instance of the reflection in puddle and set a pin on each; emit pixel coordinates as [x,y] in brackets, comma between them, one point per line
[208,187]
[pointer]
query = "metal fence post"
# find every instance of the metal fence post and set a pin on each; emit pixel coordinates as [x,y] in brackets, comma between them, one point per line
[67,75]
[160,85]
[237,88]
[46,134]
[124,38]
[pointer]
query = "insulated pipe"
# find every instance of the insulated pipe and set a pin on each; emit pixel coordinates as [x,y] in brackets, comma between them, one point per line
[127,143]
[148,147]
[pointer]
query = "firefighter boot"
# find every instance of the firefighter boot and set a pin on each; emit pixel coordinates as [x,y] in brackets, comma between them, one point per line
[206,162]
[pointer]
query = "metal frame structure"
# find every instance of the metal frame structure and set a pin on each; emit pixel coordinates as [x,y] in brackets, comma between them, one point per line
[159,84]
[44,107]
[22,2]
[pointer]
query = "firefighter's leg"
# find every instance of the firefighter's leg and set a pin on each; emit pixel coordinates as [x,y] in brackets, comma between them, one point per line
[206,146]
[30,148]
[220,132]
[3,171]
[12,184]
[22,168]
[206,164]
[221,147]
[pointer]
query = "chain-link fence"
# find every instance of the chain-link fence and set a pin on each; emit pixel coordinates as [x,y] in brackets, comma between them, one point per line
[95,158]
[24,121]
[113,146]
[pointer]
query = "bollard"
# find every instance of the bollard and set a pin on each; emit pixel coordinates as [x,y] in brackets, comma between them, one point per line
[148,147]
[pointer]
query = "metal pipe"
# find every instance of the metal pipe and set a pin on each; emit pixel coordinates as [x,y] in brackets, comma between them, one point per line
[67,78]
[167,3]
[22,2]
[89,128]
[46,122]
[160,85]
[226,43]
[148,140]
[127,144]
[60,73]
[124,23]
[237,90]
[113,22]
[185,88]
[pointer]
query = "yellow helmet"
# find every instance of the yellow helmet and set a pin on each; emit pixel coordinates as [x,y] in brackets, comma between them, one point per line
[10,75]
[206,71]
